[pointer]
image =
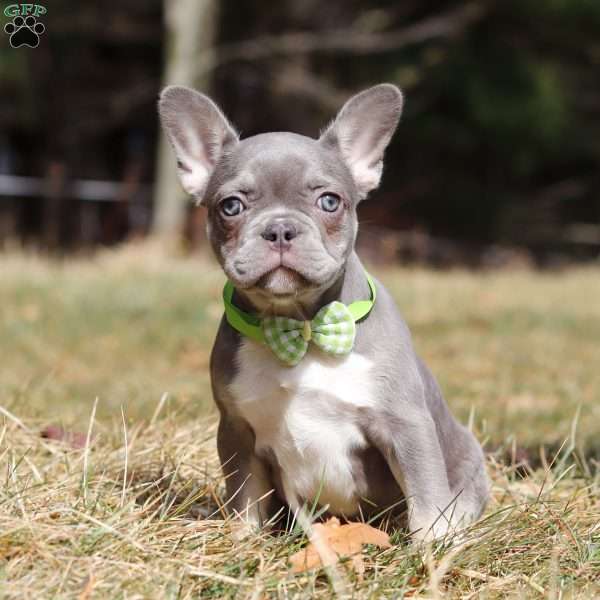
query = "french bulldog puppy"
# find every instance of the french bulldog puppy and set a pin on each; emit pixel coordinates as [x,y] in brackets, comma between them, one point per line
[357,432]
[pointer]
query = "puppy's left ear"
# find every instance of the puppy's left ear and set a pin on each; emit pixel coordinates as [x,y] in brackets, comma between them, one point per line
[363,129]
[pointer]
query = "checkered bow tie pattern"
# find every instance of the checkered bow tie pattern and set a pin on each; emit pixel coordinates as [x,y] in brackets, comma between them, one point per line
[333,330]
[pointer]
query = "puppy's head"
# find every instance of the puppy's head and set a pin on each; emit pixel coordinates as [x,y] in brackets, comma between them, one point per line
[281,206]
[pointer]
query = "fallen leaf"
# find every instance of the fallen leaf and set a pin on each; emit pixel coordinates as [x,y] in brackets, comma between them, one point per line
[75,439]
[89,587]
[330,541]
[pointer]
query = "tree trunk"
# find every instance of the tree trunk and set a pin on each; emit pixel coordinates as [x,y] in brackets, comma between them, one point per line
[191,27]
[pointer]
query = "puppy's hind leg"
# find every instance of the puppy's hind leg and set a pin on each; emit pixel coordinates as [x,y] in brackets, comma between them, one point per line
[408,441]
[467,476]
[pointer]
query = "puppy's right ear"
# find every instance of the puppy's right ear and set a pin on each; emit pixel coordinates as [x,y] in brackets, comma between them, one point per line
[198,132]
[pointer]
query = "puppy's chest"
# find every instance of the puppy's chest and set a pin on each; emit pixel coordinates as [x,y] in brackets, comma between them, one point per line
[308,417]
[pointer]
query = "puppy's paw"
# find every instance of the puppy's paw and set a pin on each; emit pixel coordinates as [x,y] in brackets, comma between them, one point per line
[441,527]
[430,531]
[433,527]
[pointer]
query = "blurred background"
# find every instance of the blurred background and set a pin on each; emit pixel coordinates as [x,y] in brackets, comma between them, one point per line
[495,162]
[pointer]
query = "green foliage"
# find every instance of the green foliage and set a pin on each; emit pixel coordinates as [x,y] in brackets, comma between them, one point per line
[569,13]
[521,108]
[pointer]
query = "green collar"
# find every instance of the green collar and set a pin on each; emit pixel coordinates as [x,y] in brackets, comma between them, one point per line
[250,326]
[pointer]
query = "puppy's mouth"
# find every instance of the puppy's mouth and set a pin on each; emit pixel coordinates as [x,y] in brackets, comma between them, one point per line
[282,281]
[279,278]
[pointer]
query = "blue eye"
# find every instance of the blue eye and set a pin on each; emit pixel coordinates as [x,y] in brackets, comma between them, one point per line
[329,202]
[231,206]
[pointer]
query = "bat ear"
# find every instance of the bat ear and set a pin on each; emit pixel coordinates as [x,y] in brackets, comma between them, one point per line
[363,129]
[198,132]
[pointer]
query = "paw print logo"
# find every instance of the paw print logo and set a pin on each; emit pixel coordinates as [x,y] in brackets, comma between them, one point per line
[24,32]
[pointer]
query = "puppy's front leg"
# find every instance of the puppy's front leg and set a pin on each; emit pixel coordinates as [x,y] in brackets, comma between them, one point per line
[250,492]
[408,440]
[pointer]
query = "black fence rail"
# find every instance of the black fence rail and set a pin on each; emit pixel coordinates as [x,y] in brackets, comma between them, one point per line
[54,211]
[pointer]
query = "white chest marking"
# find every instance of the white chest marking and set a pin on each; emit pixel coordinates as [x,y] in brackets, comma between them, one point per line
[305,415]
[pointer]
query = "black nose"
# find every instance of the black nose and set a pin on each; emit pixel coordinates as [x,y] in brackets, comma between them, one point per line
[280,233]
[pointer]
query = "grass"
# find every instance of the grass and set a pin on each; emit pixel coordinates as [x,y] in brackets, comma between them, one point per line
[516,353]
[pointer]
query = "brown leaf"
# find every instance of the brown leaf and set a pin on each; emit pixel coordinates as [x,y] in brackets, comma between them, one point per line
[75,439]
[89,587]
[331,541]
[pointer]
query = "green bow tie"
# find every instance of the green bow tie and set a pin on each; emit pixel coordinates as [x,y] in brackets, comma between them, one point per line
[333,328]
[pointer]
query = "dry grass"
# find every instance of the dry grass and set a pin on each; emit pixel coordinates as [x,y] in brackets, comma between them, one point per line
[123,517]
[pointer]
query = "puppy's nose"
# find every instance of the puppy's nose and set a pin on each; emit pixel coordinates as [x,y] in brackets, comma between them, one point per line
[280,234]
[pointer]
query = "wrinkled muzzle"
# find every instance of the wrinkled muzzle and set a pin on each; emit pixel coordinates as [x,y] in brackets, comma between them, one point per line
[280,252]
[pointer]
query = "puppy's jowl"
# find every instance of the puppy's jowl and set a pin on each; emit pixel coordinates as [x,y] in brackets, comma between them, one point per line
[320,392]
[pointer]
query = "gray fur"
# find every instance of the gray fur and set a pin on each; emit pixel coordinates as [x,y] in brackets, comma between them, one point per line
[415,449]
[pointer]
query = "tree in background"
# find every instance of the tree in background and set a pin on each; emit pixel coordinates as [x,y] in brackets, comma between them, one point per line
[191,28]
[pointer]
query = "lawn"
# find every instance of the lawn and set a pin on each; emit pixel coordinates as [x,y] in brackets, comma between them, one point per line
[116,348]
